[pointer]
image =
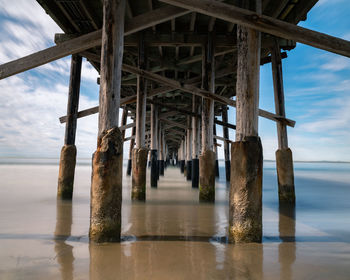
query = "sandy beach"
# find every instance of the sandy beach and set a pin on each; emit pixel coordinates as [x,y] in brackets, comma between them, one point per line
[172,235]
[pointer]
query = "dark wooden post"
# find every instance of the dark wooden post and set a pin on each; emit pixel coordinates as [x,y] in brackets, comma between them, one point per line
[189,150]
[140,152]
[182,156]
[207,157]
[132,143]
[69,150]
[284,156]
[107,164]
[245,215]
[161,151]
[195,141]
[226,144]
[217,174]
[154,145]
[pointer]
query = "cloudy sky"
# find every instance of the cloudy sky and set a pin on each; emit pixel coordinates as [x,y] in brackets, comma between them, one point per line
[317,89]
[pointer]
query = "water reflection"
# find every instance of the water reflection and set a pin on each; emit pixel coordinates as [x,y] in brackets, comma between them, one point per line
[287,249]
[64,251]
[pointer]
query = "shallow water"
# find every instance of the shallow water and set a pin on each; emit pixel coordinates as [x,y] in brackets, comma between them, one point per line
[172,235]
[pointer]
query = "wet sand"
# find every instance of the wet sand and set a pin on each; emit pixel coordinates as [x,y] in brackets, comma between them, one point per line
[172,235]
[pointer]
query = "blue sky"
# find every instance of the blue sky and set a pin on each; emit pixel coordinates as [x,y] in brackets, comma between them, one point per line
[317,91]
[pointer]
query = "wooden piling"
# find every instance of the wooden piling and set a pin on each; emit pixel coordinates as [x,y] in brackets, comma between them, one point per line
[207,157]
[245,212]
[226,144]
[107,165]
[132,143]
[195,140]
[161,152]
[284,156]
[140,152]
[189,150]
[217,174]
[69,150]
[182,161]
[154,145]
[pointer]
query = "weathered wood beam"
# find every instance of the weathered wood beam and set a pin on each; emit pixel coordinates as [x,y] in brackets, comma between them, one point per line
[87,41]
[199,92]
[176,84]
[72,46]
[176,124]
[224,123]
[265,24]
[180,39]
[123,101]
[222,139]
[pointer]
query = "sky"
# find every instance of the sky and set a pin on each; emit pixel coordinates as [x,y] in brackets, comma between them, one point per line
[317,91]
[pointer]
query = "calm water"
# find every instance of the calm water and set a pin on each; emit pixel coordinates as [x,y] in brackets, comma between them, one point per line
[172,235]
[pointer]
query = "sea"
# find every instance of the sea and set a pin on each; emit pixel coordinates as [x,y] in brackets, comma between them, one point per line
[172,235]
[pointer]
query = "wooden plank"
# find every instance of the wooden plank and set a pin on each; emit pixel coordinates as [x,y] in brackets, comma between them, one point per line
[176,124]
[126,126]
[87,41]
[224,139]
[72,46]
[73,100]
[123,101]
[265,24]
[176,84]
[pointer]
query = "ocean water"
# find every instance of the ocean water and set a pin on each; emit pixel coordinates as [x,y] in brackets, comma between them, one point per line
[172,235]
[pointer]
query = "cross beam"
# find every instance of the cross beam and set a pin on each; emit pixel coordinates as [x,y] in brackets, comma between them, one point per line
[87,41]
[265,24]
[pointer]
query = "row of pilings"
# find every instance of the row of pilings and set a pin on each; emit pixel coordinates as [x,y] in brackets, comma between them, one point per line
[245,162]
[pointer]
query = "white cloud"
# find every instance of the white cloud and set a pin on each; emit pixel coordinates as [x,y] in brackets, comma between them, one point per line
[337,63]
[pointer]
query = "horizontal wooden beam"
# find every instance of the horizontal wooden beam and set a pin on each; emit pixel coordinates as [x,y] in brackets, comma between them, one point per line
[265,24]
[87,41]
[176,84]
[175,124]
[200,92]
[222,139]
[123,101]
[232,126]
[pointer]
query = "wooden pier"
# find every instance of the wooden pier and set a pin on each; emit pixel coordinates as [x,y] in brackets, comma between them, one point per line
[176,67]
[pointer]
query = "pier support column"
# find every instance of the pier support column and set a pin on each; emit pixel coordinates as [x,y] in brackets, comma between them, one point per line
[182,161]
[189,150]
[107,163]
[207,157]
[195,141]
[245,204]
[284,156]
[161,152]
[69,151]
[154,145]
[132,143]
[217,174]
[226,144]
[139,154]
